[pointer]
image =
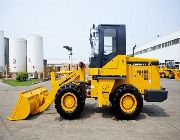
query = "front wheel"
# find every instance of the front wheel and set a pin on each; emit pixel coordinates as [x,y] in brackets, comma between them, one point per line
[163,75]
[70,101]
[171,75]
[127,102]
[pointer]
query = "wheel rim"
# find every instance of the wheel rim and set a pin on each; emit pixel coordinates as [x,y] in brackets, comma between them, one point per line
[69,102]
[128,103]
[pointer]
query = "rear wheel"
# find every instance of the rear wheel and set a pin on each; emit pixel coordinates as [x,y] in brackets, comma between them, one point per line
[127,102]
[70,101]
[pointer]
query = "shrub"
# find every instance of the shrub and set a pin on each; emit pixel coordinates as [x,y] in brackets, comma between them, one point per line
[22,76]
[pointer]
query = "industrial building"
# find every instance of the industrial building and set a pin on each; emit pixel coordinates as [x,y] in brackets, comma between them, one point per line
[165,47]
[61,61]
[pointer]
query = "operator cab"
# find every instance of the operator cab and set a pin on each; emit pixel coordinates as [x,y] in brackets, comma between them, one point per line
[170,64]
[107,41]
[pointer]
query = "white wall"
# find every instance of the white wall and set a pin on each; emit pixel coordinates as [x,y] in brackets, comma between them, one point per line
[168,53]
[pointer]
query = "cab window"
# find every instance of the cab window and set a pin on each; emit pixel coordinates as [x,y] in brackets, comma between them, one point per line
[110,41]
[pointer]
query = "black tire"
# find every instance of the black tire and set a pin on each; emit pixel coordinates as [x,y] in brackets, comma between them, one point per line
[163,75]
[80,95]
[171,75]
[115,101]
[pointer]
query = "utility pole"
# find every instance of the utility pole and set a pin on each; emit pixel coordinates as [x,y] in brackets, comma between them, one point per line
[70,52]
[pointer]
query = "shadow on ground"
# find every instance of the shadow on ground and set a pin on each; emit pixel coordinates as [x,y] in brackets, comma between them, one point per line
[47,111]
[154,111]
[148,110]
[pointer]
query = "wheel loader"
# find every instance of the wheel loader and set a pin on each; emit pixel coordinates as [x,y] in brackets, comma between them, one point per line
[118,81]
[170,70]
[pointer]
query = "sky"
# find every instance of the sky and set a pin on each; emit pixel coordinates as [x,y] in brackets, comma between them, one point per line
[67,22]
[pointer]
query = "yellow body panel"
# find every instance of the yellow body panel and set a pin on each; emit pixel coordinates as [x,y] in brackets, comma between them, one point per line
[105,87]
[93,71]
[177,75]
[101,90]
[117,66]
[139,59]
[141,76]
[165,71]
[65,72]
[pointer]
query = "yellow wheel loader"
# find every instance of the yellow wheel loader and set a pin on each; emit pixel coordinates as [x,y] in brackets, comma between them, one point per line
[170,70]
[118,81]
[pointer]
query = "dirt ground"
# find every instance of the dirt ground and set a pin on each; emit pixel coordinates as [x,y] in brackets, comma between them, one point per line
[157,120]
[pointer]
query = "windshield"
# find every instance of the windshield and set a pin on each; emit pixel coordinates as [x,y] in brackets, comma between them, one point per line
[94,41]
[170,64]
[110,40]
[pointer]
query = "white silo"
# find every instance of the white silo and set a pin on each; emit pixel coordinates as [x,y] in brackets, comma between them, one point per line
[2,52]
[17,54]
[35,54]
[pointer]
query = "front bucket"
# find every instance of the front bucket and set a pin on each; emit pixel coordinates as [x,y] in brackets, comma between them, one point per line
[29,103]
[177,75]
